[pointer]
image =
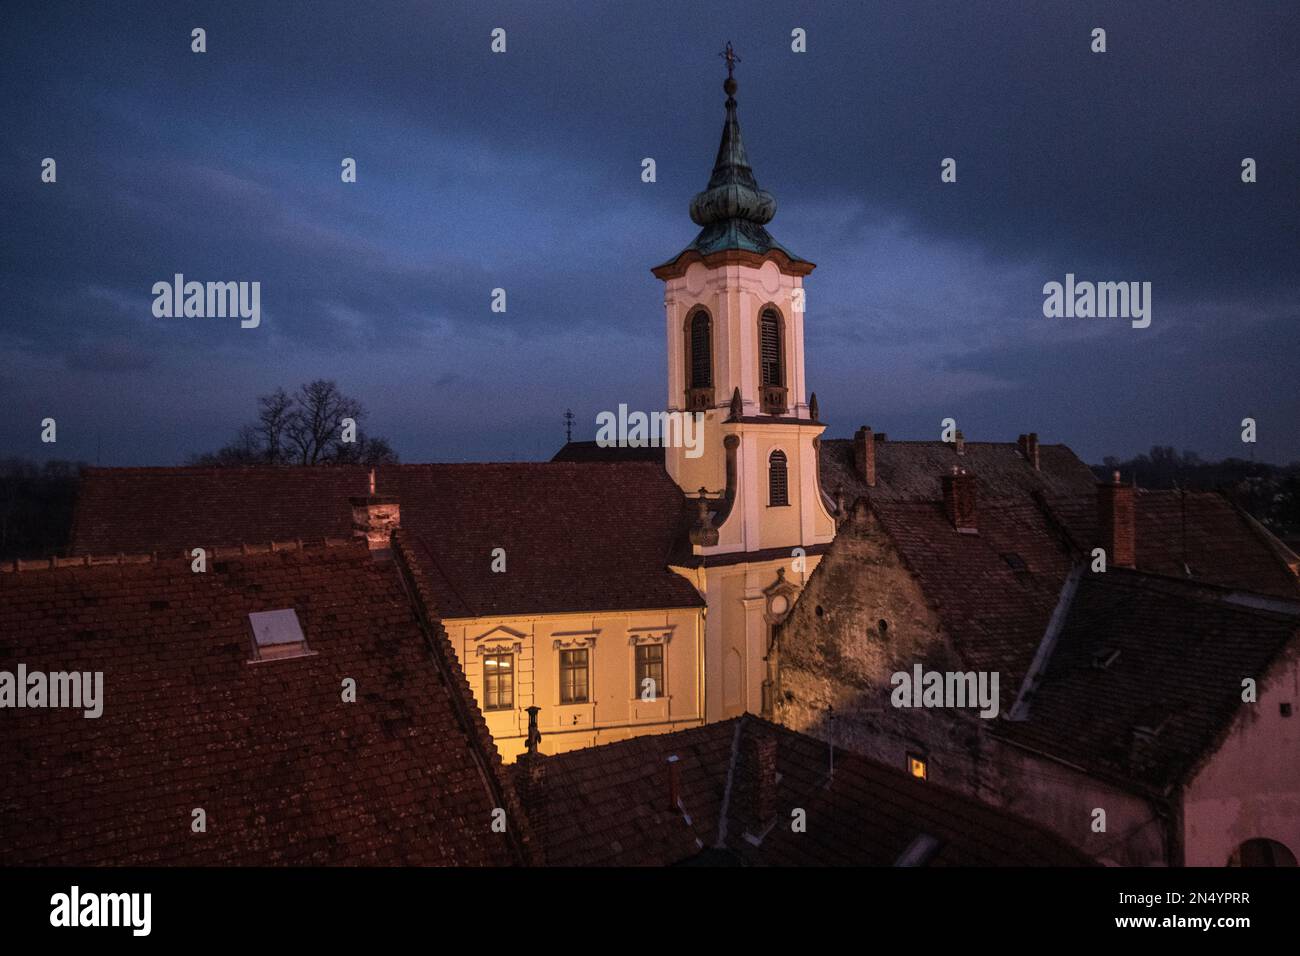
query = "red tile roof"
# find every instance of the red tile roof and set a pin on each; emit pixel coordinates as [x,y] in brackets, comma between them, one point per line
[286,771]
[577,537]
[1175,654]
[135,510]
[1197,531]
[609,805]
[912,470]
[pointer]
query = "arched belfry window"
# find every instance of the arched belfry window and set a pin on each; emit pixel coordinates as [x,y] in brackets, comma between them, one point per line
[778,480]
[699,361]
[771,361]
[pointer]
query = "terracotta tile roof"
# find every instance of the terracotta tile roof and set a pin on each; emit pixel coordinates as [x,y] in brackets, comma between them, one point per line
[173,509]
[286,772]
[1175,654]
[1200,529]
[577,537]
[609,805]
[912,470]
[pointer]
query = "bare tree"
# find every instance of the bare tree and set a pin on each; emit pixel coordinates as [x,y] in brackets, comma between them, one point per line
[275,413]
[315,428]
[304,428]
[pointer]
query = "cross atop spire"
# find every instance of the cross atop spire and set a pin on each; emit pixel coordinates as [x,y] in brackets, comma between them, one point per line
[729,54]
[729,84]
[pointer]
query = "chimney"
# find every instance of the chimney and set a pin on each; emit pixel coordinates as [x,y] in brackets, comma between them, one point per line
[375,518]
[530,784]
[1116,520]
[756,781]
[534,734]
[959,499]
[674,783]
[1028,448]
[961,443]
[864,455]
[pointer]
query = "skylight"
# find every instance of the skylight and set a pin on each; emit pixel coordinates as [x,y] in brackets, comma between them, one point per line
[277,635]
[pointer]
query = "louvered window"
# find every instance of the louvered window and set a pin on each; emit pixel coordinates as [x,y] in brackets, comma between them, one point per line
[777,480]
[769,334]
[701,351]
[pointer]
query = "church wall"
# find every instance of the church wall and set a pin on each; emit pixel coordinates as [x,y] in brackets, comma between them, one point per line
[614,709]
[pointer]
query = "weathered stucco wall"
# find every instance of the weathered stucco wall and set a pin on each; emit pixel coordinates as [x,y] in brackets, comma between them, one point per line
[1247,790]
[860,619]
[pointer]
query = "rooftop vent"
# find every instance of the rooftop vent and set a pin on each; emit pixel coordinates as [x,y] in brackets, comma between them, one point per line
[277,635]
[1103,658]
[920,851]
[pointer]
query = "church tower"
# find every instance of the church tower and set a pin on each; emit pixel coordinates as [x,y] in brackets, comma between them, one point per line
[734,302]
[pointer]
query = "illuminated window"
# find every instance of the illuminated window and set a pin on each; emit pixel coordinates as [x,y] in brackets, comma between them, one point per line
[916,766]
[650,666]
[499,682]
[573,677]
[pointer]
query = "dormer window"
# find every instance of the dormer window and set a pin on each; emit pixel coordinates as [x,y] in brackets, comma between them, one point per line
[699,361]
[277,635]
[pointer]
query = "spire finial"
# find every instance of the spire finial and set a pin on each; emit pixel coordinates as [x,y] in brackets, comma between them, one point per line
[729,54]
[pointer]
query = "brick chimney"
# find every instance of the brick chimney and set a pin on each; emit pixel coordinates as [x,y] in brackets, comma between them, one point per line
[375,518]
[1028,447]
[674,782]
[1116,522]
[755,795]
[530,784]
[864,455]
[959,500]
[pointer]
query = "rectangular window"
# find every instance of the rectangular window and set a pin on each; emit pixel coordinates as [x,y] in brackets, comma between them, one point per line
[499,682]
[573,677]
[649,667]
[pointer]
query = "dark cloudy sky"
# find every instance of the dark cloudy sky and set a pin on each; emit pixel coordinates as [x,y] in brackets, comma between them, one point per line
[522,171]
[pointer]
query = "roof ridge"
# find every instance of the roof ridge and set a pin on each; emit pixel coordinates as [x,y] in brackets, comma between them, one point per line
[59,562]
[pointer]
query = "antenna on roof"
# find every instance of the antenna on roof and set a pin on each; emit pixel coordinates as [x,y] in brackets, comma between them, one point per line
[568,424]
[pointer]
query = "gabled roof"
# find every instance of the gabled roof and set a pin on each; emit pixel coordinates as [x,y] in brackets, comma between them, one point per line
[994,591]
[285,770]
[576,538]
[609,805]
[1147,674]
